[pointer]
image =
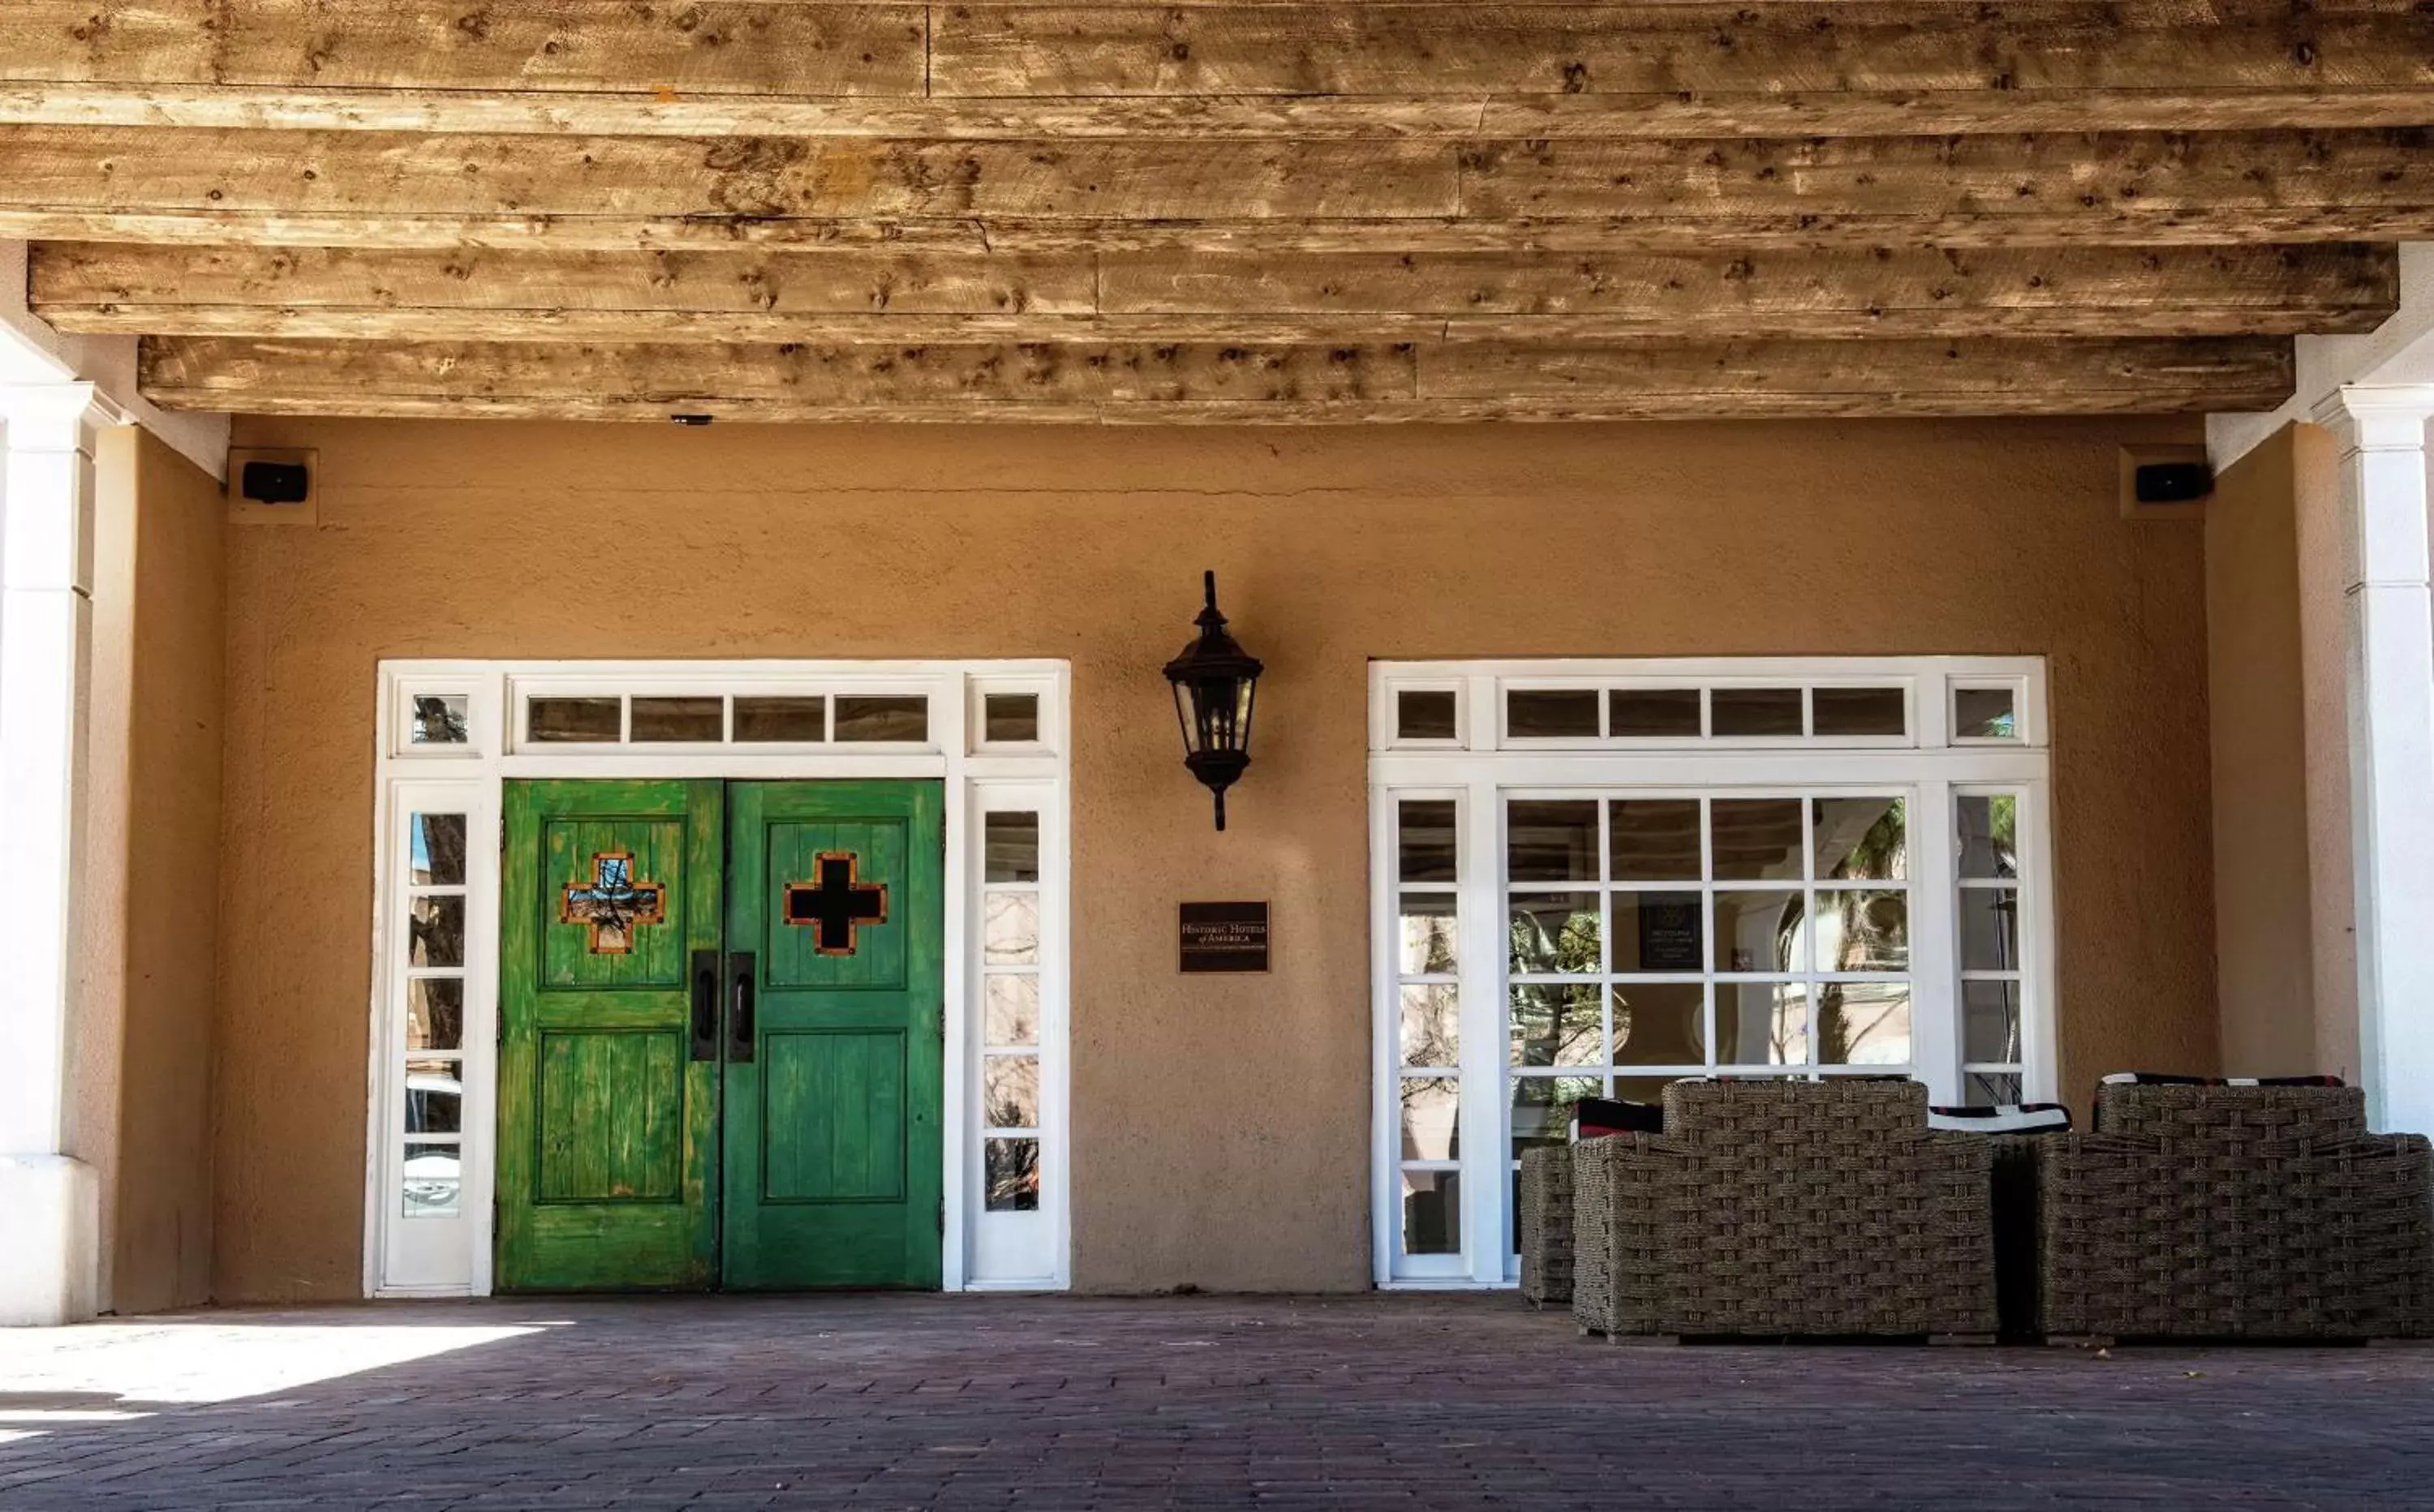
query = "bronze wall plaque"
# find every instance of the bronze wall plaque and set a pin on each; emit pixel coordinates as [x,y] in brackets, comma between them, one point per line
[1225,937]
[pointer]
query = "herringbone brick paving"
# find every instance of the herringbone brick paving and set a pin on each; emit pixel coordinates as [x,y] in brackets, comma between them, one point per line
[1389,1401]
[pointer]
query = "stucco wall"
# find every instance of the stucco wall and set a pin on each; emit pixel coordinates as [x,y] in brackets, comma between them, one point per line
[1220,1123]
[2264,927]
[150,912]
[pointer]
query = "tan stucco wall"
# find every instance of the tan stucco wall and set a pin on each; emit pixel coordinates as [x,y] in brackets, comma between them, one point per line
[2264,927]
[1221,1124]
[149,911]
[2324,654]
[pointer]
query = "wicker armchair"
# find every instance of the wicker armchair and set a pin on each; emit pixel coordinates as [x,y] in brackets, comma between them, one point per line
[1543,1225]
[1781,1208]
[2215,1212]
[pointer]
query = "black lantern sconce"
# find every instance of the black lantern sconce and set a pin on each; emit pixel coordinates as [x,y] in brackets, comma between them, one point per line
[1214,683]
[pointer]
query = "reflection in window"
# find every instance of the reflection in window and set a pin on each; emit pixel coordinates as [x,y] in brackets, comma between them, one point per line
[767,721]
[1426,840]
[1550,841]
[1650,713]
[1860,711]
[1557,1026]
[1431,1110]
[1757,839]
[861,717]
[1661,1024]
[435,1014]
[1551,713]
[1861,839]
[1989,835]
[1754,711]
[573,720]
[1010,1091]
[1013,1008]
[1010,846]
[436,847]
[435,927]
[1011,1175]
[1425,714]
[434,1179]
[1009,718]
[1863,1024]
[679,719]
[1428,934]
[1555,934]
[1432,1015]
[1431,1213]
[439,719]
[1984,714]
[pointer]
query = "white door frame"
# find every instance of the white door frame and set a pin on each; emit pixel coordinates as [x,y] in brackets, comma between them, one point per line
[443,1256]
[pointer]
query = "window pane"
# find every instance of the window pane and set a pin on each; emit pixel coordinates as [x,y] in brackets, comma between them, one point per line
[1863,839]
[1012,1010]
[434,1097]
[781,718]
[1760,932]
[1011,1173]
[1426,840]
[1010,1091]
[1761,1023]
[1661,1024]
[434,1179]
[863,718]
[1659,931]
[1556,933]
[1863,1024]
[1983,714]
[1011,935]
[439,719]
[1010,847]
[1425,714]
[1542,1108]
[1990,1089]
[1754,710]
[1550,841]
[1431,1017]
[1990,1022]
[1858,710]
[679,719]
[1556,1026]
[1990,928]
[1757,839]
[1649,712]
[1428,934]
[1009,718]
[435,1014]
[436,931]
[1862,931]
[1551,713]
[1990,826]
[437,841]
[572,719]
[1653,840]
[1642,1089]
[1431,1213]
[1430,1110]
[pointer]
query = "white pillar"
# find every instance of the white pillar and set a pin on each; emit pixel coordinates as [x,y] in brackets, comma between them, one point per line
[2388,638]
[49,1202]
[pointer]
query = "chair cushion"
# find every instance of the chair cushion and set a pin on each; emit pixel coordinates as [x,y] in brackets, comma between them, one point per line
[2167,1079]
[2002,1119]
[1596,1116]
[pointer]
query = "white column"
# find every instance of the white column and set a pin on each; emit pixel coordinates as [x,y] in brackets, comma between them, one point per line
[50,1203]
[2388,693]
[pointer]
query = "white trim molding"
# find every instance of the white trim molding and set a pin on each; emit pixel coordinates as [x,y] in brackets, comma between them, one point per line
[50,1268]
[2400,351]
[1936,951]
[2388,688]
[450,733]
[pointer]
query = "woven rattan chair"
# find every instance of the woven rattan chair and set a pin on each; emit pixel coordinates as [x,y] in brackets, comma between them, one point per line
[2216,1211]
[1780,1208]
[1544,1225]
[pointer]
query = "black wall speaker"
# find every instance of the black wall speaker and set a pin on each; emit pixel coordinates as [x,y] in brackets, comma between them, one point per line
[2173,483]
[275,483]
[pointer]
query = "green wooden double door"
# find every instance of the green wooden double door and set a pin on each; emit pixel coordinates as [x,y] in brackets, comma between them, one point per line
[719,1062]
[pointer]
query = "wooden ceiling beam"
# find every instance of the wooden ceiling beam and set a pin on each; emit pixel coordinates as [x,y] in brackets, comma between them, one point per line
[1376,118]
[861,295]
[1302,383]
[348,189]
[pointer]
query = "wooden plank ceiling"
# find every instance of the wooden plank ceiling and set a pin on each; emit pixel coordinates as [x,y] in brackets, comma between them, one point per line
[1215,210]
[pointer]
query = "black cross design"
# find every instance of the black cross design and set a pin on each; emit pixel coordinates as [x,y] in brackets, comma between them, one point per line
[839,905]
[613,904]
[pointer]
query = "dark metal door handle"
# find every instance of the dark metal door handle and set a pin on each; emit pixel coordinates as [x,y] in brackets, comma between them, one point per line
[705,1005]
[740,967]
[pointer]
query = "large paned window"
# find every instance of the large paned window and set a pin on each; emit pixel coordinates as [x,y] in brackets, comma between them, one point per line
[1608,877]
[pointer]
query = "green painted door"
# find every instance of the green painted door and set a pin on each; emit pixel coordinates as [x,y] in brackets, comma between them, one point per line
[720,1035]
[608,1110]
[835,918]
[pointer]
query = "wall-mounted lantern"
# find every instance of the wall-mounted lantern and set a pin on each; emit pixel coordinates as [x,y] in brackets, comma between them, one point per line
[1214,682]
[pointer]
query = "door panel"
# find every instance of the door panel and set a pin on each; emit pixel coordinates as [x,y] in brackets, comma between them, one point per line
[832,1149]
[607,1123]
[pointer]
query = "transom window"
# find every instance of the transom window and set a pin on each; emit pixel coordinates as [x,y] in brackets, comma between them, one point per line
[1561,924]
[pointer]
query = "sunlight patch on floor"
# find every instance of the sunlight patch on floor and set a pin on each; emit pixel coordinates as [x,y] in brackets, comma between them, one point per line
[214,1362]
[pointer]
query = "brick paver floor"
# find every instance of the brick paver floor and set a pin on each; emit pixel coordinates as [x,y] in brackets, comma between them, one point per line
[1389,1401]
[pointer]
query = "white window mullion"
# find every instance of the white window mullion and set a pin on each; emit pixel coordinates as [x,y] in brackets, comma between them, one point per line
[2040,1006]
[1934,942]
[1485,1143]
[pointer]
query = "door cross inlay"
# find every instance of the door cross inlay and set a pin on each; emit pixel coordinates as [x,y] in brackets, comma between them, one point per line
[838,905]
[613,904]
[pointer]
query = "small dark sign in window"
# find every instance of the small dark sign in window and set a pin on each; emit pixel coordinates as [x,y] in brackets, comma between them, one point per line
[1225,937]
